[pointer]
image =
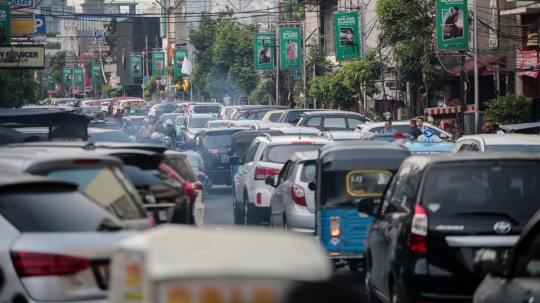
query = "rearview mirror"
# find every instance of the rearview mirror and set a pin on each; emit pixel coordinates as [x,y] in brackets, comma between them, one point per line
[366,206]
[312,186]
[488,261]
[270,180]
[443,136]
[234,160]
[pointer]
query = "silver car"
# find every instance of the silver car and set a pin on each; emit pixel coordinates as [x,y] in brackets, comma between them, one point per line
[56,243]
[292,205]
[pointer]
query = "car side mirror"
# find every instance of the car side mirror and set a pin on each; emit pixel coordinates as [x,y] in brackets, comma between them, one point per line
[270,180]
[312,186]
[443,136]
[234,160]
[366,206]
[488,261]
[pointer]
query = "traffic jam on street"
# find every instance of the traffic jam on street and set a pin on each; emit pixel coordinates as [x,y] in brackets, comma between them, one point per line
[163,202]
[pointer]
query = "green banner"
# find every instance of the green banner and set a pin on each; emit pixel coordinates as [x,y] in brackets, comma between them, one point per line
[263,55]
[51,84]
[96,73]
[5,24]
[79,74]
[44,83]
[68,76]
[452,25]
[290,43]
[135,66]
[179,55]
[158,64]
[347,31]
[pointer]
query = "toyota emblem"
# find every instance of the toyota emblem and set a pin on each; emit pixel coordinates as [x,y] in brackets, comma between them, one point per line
[502,227]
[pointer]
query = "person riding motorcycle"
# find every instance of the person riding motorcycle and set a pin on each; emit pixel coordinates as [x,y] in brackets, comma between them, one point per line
[197,163]
[169,130]
[118,115]
[157,137]
[146,131]
[132,139]
[128,128]
[132,113]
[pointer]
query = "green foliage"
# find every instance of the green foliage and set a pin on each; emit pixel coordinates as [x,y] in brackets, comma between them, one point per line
[18,88]
[53,45]
[108,91]
[111,34]
[509,109]
[292,11]
[259,95]
[169,71]
[51,35]
[151,86]
[58,62]
[147,95]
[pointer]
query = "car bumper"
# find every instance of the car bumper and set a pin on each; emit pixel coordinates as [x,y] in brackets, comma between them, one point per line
[103,300]
[265,195]
[220,177]
[299,219]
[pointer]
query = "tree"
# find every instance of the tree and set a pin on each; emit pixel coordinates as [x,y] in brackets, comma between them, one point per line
[53,45]
[108,91]
[150,88]
[509,109]
[316,56]
[18,88]
[58,62]
[111,34]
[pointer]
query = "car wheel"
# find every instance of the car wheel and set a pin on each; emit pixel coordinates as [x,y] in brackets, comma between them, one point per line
[248,218]
[353,266]
[370,294]
[397,295]
[238,216]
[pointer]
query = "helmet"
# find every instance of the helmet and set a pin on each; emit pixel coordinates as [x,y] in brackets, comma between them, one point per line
[118,109]
[146,121]
[132,139]
[168,122]
[128,121]
[157,136]
[132,113]
[166,141]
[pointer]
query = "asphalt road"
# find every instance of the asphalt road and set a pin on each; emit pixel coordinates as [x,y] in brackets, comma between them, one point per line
[218,215]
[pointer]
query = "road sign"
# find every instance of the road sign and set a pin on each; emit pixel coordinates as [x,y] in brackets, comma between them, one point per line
[297,75]
[41,27]
[22,57]
[145,79]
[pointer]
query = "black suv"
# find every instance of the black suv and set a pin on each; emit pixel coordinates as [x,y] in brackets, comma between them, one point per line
[332,120]
[440,211]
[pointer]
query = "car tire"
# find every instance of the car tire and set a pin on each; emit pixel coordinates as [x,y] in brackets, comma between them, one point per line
[398,295]
[353,266]
[238,215]
[248,217]
[370,294]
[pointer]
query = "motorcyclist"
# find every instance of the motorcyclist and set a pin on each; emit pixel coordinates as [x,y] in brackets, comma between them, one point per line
[132,139]
[169,130]
[128,128]
[118,115]
[132,113]
[157,137]
[196,162]
[146,131]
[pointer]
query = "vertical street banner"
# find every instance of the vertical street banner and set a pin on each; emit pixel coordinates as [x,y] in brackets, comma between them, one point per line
[264,52]
[51,84]
[44,83]
[290,46]
[347,36]
[493,22]
[67,76]
[96,73]
[5,24]
[135,66]
[158,63]
[79,74]
[179,56]
[452,25]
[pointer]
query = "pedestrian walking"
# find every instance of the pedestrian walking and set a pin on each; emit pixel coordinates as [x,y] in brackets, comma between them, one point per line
[388,130]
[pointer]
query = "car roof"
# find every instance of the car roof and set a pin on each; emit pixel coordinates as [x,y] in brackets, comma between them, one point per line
[510,139]
[220,131]
[520,126]
[201,115]
[308,110]
[305,156]
[9,179]
[288,139]
[276,111]
[329,112]
[341,134]
[97,130]
[423,161]
[158,148]
[297,129]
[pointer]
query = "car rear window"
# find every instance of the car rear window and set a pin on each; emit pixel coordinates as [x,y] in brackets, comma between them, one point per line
[308,171]
[182,167]
[109,187]
[207,109]
[530,149]
[54,212]
[147,178]
[506,186]
[274,117]
[294,117]
[199,122]
[221,140]
[229,111]
[282,153]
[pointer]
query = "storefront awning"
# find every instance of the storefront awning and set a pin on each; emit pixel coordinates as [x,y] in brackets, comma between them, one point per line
[446,110]
[528,60]
[485,66]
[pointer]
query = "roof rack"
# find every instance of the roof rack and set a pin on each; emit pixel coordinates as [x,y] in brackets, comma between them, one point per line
[267,136]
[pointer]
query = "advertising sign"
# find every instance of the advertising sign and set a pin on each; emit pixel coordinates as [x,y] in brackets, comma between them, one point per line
[22,57]
[22,25]
[67,76]
[179,56]
[452,26]
[5,24]
[41,28]
[264,52]
[135,66]
[79,74]
[493,22]
[158,63]
[347,36]
[44,82]
[96,73]
[100,37]
[290,43]
[51,84]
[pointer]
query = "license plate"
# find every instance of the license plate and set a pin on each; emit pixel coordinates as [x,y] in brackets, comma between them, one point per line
[503,253]
[224,158]
[162,215]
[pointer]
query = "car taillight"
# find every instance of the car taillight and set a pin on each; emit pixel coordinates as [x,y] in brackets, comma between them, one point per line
[86,161]
[262,172]
[199,186]
[214,150]
[419,230]
[29,264]
[358,130]
[301,143]
[259,199]
[334,227]
[298,195]
[151,220]
[221,117]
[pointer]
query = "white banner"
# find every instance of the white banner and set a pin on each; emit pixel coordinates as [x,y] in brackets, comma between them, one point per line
[186,67]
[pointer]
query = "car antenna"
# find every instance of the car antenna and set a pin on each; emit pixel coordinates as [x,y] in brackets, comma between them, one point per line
[300,134]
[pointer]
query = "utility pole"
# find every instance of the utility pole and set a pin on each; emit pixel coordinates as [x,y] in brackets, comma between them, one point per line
[497,80]
[462,90]
[304,74]
[314,99]
[476,86]
[276,42]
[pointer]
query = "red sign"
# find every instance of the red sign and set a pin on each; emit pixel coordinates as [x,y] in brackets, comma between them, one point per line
[75,91]
[52,91]
[454,101]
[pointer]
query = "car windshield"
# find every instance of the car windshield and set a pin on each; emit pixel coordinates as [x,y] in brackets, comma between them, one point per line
[180,120]
[170,116]
[221,140]
[217,124]
[282,153]
[207,109]
[109,187]
[530,149]
[511,187]
[199,122]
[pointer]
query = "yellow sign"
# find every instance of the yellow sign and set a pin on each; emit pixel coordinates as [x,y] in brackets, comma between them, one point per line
[22,26]
[186,84]
[179,295]
[133,274]
[22,57]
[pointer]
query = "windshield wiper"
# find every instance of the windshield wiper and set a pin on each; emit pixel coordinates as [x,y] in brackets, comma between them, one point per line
[490,213]
[107,225]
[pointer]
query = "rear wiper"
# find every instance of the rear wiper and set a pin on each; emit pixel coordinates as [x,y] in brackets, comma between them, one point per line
[107,225]
[490,213]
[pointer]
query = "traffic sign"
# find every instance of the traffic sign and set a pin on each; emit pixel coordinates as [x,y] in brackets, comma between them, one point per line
[145,79]
[297,75]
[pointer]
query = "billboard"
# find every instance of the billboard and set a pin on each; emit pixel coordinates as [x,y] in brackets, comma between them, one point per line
[179,56]
[264,52]
[135,66]
[347,36]
[452,25]
[290,43]
[79,76]
[96,73]
[67,76]
[5,24]
[158,63]
[22,57]
[22,25]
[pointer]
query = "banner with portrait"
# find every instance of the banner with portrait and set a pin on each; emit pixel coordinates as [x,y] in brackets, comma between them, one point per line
[452,25]
[263,53]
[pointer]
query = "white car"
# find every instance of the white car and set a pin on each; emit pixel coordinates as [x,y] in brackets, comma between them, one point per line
[400,127]
[498,143]
[265,157]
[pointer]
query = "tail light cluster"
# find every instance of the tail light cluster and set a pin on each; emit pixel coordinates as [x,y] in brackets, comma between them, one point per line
[298,195]
[199,186]
[419,230]
[214,150]
[151,220]
[30,264]
[335,230]
[262,172]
